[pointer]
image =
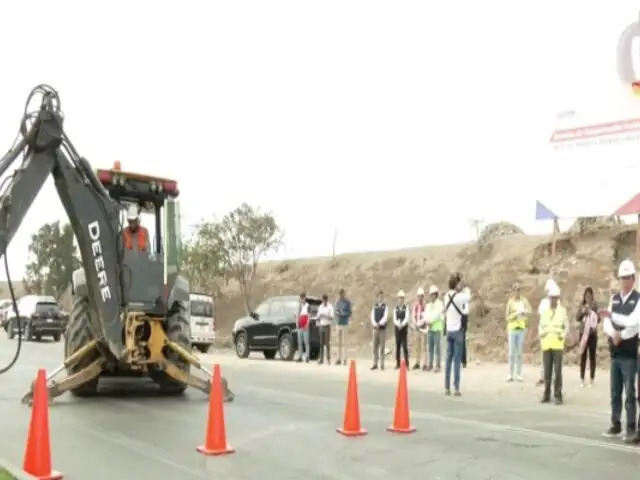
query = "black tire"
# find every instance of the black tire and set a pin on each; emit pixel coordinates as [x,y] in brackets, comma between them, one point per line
[77,336]
[177,330]
[315,353]
[285,346]
[269,354]
[56,337]
[28,336]
[242,345]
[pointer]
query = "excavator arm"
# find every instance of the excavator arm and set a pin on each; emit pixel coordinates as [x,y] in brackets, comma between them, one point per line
[44,151]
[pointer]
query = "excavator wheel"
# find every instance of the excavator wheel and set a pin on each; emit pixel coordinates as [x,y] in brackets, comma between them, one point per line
[76,337]
[177,329]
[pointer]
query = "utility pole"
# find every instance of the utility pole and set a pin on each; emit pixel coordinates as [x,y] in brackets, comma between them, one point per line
[477,223]
[335,239]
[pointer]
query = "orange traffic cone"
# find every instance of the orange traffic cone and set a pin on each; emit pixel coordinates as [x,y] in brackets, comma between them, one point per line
[401,421]
[351,426]
[215,442]
[37,454]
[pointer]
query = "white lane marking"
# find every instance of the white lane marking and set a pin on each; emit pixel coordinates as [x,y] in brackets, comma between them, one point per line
[480,424]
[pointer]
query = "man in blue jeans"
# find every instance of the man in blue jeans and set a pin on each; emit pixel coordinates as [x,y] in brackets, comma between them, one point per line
[455,301]
[621,324]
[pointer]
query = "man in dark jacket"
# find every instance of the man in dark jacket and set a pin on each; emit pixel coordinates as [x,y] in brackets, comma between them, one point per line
[621,325]
[343,314]
[401,319]
[379,317]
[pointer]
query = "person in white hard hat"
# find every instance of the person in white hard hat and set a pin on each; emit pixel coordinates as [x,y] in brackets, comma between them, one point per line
[134,235]
[421,328]
[435,320]
[621,324]
[401,317]
[553,330]
[544,305]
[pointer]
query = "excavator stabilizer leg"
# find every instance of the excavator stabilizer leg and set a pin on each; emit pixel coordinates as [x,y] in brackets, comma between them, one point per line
[187,378]
[55,389]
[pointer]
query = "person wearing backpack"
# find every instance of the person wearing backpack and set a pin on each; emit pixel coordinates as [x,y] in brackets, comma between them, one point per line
[455,301]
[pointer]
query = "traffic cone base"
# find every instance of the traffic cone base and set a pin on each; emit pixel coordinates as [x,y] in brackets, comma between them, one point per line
[393,429]
[358,433]
[225,451]
[54,476]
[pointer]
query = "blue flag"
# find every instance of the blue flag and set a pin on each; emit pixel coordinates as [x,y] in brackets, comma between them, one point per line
[543,213]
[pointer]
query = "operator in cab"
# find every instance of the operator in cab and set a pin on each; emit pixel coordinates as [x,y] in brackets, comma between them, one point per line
[135,236]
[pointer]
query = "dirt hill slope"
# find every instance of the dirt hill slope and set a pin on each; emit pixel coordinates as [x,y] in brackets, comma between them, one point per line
[585,256]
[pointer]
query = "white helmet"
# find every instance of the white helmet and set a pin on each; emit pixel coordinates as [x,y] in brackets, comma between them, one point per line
[400,294]
[553,290]
[549,284]
[132,212]
[433,289]
[420,291]
[626,269]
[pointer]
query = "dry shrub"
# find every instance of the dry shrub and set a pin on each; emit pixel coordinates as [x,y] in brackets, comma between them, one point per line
[497,230]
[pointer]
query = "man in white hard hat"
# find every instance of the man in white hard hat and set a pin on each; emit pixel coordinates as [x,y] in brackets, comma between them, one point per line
[544,305]
[421,328]
[435,320]
[553,330]
[134,235]
[621,325]
[401,317]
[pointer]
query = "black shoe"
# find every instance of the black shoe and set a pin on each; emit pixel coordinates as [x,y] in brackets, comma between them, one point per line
[539,383]
[299,360]
[338,362]
[545,400]
[557,401]
[416,367]
[381,367]
[320,362]
[612,432]
[397,367]
[306,360]
[374,367]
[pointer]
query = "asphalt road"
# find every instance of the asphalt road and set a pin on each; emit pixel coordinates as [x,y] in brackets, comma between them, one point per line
[283,422]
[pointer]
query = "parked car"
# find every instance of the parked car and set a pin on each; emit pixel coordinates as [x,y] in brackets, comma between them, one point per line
[40,317]
[203,324]
[5,307]
[271,329]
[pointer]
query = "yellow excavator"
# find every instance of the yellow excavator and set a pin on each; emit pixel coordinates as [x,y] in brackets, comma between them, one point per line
[130,314]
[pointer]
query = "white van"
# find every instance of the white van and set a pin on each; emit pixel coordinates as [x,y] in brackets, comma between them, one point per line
[203,324]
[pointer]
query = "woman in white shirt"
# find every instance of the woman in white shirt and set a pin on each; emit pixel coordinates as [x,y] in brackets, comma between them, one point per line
[325,319]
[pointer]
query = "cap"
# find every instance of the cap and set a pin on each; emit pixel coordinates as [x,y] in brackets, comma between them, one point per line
[433,289]
[626,269]
[132,212]
[401,293]
[420,291]
[553,290]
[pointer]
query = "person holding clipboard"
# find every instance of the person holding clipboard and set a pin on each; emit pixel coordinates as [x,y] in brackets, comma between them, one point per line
[516,315]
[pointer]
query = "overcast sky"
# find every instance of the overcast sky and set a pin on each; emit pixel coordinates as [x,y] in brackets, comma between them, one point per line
[393,122]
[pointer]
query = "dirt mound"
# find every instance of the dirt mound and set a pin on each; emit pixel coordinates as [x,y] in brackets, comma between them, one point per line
[497,230]
[586,225]
[580,261]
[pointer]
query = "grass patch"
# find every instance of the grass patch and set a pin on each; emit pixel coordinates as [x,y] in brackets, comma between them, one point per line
[4,475]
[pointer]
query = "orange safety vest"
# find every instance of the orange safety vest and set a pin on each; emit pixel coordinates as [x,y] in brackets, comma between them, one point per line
[143,238]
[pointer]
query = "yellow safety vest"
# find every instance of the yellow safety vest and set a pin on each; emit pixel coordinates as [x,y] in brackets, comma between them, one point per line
[552,327]
[514,320]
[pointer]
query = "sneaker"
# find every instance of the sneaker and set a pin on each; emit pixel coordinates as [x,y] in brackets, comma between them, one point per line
[381,367]
[519,378]
[557,401]
[416,367]
[545,400]
[509,378]
[612,432]
[374,367]
[630,438]
[539,383]
[581,384]
[457,393]
[591,383]
[338,362]
[436,370]
[425,368]
[447,392]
